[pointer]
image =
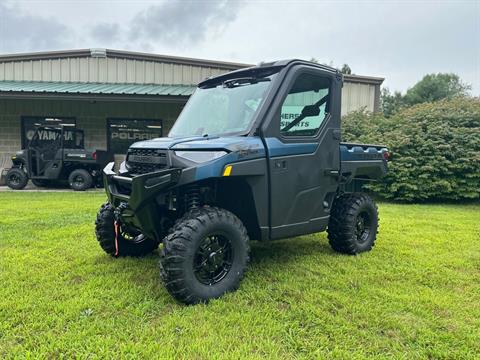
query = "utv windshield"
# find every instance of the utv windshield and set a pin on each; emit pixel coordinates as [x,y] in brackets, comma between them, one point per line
[226,108]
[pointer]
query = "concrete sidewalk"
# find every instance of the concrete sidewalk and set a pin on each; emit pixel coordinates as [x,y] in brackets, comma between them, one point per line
[32,188]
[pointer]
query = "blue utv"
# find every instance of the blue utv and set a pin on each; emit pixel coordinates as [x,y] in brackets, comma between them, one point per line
[254,155]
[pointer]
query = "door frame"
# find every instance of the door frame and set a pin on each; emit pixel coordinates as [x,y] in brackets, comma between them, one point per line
[270,128]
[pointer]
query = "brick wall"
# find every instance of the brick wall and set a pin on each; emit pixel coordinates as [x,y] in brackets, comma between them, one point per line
[10,140]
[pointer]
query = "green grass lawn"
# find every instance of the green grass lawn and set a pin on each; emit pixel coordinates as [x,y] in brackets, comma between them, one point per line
[416,295]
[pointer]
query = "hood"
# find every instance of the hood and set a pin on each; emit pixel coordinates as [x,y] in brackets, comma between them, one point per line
[163,143]
[231,143]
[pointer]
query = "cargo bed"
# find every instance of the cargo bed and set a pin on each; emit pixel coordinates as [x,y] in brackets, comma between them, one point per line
[362,161]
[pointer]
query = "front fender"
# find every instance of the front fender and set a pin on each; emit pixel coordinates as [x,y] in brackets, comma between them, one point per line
[18,161]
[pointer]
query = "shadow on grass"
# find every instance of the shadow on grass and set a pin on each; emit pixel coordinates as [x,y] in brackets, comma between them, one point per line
[270,253]
[143,273]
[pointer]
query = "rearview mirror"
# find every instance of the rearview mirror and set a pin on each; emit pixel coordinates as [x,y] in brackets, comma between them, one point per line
[310,110]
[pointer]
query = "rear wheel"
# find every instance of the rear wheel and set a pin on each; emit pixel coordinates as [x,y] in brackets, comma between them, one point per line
[126,243]
[353,224]
[80,180]
[205,255]
[16,178]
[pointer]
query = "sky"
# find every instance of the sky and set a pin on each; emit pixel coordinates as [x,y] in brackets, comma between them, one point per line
[398,40]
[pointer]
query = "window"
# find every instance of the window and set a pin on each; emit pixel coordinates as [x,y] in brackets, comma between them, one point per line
[227,108]
[30,123]
[306,106]
[124,132]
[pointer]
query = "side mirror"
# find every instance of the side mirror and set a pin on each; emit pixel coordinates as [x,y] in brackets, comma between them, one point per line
[310,110]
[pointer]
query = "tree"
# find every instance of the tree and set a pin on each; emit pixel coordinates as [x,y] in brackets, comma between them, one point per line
[434,87]
[346,69]
[434,147]
[391,103]
[316,61]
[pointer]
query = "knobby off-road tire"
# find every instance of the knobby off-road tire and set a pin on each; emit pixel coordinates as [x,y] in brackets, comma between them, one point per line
[353,224]
[80,180]
[16,178]
[128,245]
[205,255]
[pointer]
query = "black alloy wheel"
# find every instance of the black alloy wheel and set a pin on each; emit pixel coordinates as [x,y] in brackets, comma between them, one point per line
[15,179]
[135,237]
[363,227]
[78,181]
[213,259]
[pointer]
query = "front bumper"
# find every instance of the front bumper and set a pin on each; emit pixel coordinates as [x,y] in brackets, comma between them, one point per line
[137,195]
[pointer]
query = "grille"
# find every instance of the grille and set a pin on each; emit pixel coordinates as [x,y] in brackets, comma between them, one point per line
[142,161]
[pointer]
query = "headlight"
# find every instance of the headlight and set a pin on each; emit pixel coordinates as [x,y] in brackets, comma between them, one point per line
[200,156]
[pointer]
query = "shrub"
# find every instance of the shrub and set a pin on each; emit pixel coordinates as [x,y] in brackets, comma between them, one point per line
[435,149]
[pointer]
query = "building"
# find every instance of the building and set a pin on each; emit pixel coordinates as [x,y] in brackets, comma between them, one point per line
[116,97]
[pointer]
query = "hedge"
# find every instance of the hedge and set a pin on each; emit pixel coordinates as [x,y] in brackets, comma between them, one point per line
[435,149]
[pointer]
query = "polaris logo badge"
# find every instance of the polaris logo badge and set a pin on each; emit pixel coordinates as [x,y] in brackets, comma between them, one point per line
[133,135]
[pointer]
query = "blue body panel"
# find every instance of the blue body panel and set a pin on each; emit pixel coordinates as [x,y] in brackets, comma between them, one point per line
[228,143]
[242,148]
[238,148]
[278,148]
[163,143]
[231,143]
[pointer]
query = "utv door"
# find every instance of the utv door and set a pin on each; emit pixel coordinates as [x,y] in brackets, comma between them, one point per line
[302,137]
[43,151]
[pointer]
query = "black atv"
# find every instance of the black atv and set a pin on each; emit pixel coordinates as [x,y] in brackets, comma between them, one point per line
[54,156]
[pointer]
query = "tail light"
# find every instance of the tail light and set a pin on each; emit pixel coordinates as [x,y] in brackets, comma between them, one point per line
[386,155]
[94,155]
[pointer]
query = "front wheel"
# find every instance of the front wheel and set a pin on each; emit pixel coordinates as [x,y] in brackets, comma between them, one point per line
[353,224]
[205,255]
[16,178]
[115,240]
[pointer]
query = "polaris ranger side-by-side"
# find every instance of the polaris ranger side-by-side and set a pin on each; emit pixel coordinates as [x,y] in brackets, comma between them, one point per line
[255,154]
[54,155]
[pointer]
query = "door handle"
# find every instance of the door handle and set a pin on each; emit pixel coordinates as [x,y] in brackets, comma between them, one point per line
[337,134]
[331,172]
[280,164]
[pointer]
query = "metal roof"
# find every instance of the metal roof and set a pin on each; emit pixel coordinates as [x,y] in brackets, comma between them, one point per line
[139,56]
[361,79]
[110,53]
[94,88]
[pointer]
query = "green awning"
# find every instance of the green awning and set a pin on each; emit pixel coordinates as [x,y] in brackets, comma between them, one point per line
[94,88]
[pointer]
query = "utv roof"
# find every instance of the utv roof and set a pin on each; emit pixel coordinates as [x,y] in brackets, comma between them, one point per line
[56,126]
[262,68]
